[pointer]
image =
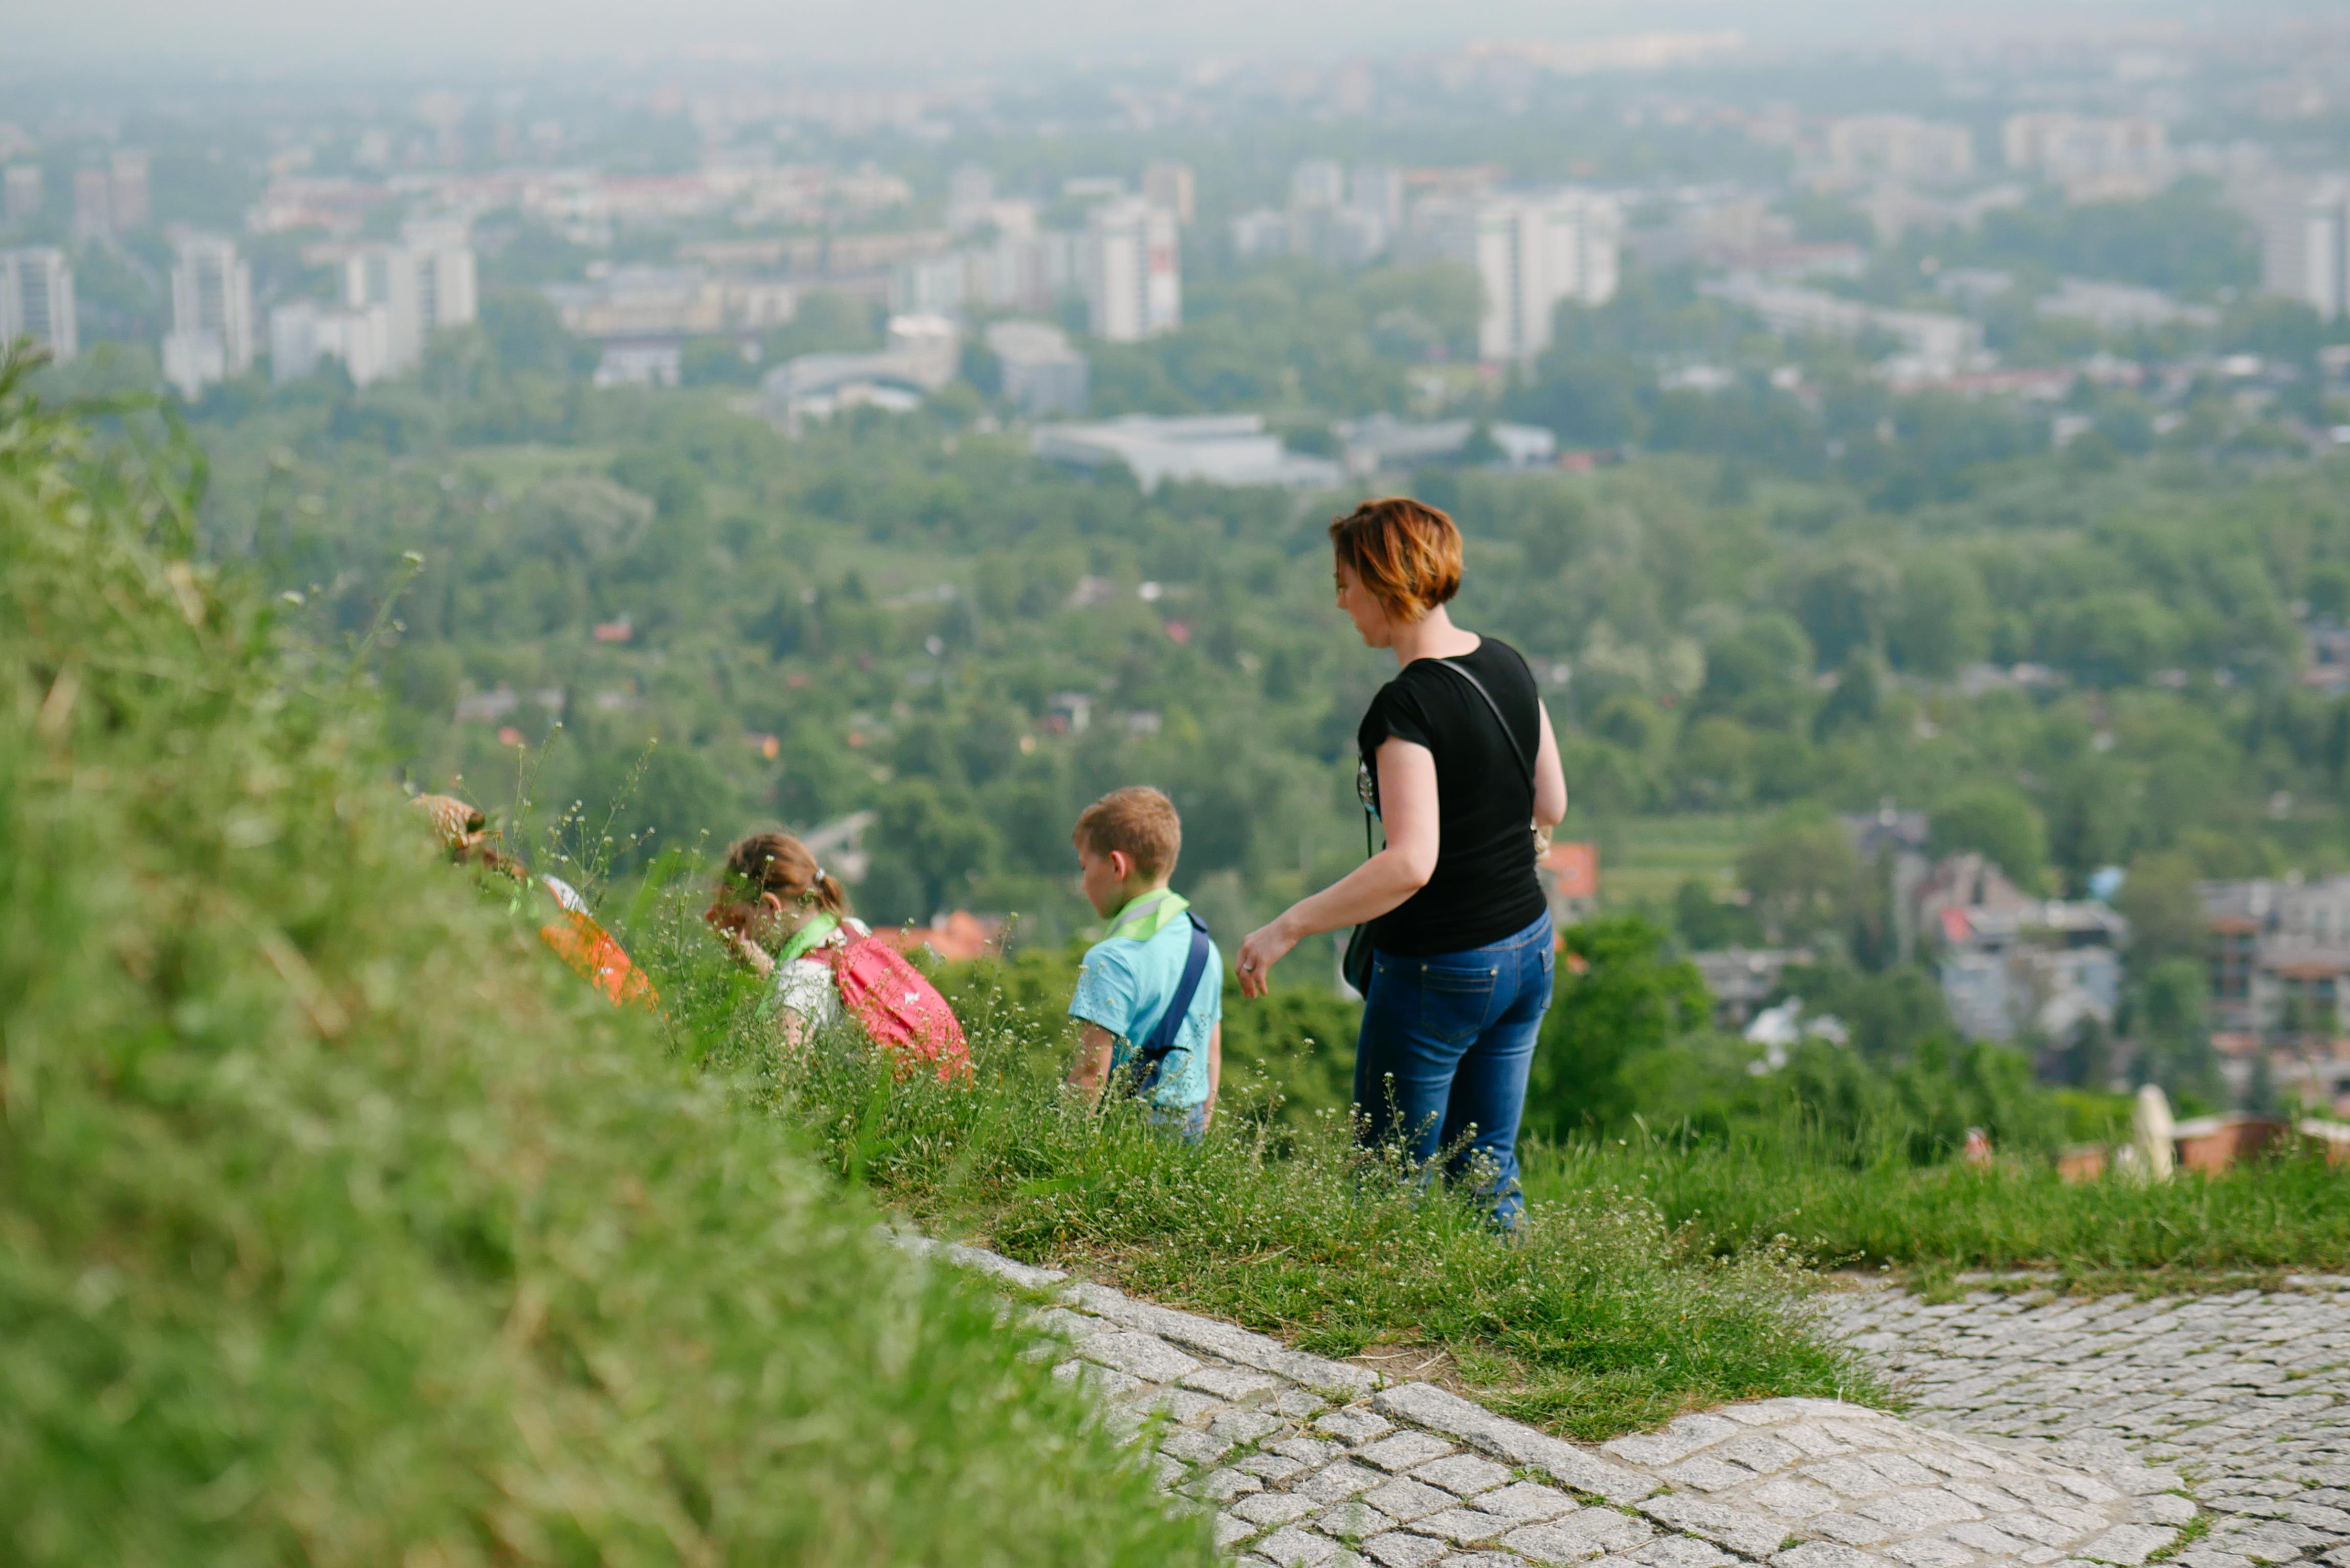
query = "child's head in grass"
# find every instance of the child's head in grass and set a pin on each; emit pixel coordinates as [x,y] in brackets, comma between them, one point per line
[1127,844]
[465,833]
[772,886]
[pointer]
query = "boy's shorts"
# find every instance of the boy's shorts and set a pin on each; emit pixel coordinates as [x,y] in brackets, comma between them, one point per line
[1189,1123]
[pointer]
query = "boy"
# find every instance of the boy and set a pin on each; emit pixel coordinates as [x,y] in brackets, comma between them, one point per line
[1127,843]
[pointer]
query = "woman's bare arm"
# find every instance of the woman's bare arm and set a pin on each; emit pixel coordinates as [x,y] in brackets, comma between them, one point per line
[1550,777]
[1407,808]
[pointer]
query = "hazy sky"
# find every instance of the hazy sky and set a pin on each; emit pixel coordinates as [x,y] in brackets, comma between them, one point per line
[926,35]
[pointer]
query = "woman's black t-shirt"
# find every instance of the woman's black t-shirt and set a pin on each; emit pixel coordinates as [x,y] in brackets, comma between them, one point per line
[1484,888]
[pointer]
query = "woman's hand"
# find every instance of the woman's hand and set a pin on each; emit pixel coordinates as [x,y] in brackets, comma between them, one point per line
[1260,950]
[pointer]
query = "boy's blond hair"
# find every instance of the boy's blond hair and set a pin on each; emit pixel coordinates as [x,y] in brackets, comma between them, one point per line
[1137,820]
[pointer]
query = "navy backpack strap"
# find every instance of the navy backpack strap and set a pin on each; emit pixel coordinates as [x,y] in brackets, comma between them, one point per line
[1153,1051]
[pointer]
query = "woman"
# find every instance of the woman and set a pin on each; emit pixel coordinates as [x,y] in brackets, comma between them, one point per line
[1458,763]
[786,918]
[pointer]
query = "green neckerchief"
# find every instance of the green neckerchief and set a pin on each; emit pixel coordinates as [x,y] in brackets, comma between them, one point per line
[1144,917]
[810,935]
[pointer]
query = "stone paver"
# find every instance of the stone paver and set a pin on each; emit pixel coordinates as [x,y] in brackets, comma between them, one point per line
[1321,1463]
[2242,1402]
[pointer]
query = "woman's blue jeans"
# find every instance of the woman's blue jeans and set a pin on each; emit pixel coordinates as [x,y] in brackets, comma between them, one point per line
[1440,1064]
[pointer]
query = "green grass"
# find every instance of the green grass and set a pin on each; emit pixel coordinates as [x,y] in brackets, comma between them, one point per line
[1840,1207]
[1595,1321]
[339,1225]
[513,469]
[1648,858]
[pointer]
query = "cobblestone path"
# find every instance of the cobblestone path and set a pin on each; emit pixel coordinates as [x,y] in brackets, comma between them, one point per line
[1326,1464]
[2247,1396]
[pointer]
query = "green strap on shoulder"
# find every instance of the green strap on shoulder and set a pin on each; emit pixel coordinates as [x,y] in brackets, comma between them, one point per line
[1147,916]
[809,936]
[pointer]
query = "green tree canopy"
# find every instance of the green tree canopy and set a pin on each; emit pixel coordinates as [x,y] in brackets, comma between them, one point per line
[1996,821]
[1618,997]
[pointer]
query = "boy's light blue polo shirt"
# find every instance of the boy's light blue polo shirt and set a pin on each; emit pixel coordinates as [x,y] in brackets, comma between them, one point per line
[1130,976]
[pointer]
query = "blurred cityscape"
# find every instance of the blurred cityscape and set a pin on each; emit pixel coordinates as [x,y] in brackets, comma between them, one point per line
[2002,220]
[1943,438]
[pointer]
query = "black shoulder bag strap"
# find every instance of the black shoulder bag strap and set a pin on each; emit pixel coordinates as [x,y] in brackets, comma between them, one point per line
[1356,965]
[1525,758]
[1152,1053]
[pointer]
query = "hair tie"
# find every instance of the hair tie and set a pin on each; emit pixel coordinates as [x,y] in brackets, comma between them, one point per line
[819,876]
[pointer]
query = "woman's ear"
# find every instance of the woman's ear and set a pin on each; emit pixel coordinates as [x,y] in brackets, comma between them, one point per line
[775,905]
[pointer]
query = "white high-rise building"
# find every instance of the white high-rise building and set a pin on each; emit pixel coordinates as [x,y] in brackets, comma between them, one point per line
[1532,253]
[24,196]
[1261,233]
[971,193]
[2305,244]
[1041,373]
[303,333]
[127,191]
[37,300]
[93,216]
[1377,190]
[425,280]
[384,275]
[1898,147]
[447,288]
[2054,139]
[932,285]
[211,314]
[1317,183]
[1174,187]
[1133,276]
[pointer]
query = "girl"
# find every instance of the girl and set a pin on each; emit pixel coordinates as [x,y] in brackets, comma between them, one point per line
[783,916]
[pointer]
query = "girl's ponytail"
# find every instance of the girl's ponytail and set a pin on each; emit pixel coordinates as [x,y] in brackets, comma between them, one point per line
[779,864]
[829,894]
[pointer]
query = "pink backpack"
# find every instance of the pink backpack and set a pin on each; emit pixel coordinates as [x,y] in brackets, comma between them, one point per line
[899,1006]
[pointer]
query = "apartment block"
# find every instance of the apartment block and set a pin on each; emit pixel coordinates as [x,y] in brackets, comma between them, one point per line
[1532,254]
[1940,343]
[425,280]
[1317,183]
[305,332]
[1377,190]
[971,191]
[37,299]
[1132,271]
[1172,188]
[127,191]
[2054,141]
[93,213]
[2278,947]
[211,314]
[1042,374]
[24,197]
[1898,147]
[2305,227]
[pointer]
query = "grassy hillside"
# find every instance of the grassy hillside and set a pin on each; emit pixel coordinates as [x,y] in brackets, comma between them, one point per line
[1843,1202]
[1595,1319]
[339,1225]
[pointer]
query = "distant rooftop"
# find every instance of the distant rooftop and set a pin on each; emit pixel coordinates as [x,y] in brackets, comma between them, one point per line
[1382,440]
[920,355]
[1210,449]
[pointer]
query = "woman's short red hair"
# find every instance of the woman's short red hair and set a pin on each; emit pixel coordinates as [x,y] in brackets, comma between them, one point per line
[1408,554]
